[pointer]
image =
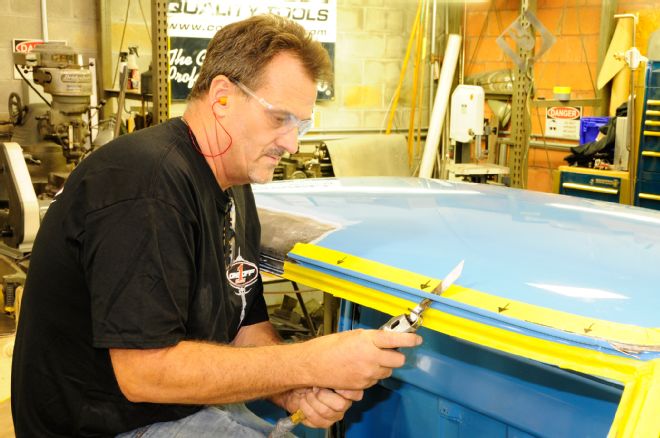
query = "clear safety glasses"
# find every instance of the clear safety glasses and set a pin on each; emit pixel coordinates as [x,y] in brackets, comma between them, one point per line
[284,120]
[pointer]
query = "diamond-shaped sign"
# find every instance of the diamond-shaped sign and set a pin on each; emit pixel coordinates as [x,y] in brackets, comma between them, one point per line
[522,32]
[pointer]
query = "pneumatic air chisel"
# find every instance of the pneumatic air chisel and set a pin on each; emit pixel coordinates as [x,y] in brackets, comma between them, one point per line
[405,323]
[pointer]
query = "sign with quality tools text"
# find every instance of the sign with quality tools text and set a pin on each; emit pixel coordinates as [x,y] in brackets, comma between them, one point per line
[563,122]
[192,23]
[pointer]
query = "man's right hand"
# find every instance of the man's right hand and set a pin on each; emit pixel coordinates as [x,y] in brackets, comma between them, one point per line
[356,359]
[192,372]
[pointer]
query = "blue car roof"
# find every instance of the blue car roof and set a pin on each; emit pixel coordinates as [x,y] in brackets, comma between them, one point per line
[589,258]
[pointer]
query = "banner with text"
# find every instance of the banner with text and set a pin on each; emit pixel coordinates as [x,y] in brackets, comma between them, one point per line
[192,23]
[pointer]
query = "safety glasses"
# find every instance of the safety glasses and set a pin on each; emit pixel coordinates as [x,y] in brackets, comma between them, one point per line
[284,120]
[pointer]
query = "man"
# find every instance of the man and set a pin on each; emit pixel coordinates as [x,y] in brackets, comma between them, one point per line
[139,313]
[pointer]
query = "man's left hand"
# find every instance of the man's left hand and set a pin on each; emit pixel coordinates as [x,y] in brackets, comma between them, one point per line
[322,407]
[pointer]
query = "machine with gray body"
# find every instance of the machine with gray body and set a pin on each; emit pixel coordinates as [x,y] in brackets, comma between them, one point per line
[57,68]
[47,141]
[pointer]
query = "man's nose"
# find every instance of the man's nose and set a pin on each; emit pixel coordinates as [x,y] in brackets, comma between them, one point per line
[289,141]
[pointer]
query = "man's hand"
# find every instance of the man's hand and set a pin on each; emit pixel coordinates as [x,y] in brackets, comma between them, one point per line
[321,407]
[356,359]
[192,372]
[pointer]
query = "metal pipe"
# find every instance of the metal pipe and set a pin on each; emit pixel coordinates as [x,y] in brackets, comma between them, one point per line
[397,92]
[416,82]
[531,135]
[123,79]
[446,29]
[420,105]
[440,105]
[303,307]
[444,142]
[632,158]
[549,145]
[320,131]
[328,313]
[332,134]
[334,131]
[461,70]
[44,20]
[433,57]
[441,160]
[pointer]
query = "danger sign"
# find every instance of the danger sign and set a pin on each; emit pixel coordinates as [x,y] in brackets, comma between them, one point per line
[563,122]
[564,112]
[26,46]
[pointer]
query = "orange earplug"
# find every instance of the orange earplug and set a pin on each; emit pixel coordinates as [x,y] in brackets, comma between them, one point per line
[222,100]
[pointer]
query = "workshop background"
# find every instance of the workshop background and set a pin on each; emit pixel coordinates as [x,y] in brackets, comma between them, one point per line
[372,36]
[384,76]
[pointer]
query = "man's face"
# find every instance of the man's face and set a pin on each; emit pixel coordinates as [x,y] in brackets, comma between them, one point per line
[262,123]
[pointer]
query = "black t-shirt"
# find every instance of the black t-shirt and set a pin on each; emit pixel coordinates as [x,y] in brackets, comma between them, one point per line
[131,254]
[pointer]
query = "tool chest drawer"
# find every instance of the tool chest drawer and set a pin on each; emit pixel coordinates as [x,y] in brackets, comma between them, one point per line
[649,144]
[649,161]
[593,184]
[647,188]
[648,194]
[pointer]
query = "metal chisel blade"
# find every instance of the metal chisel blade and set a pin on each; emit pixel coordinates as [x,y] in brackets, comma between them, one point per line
[449,279]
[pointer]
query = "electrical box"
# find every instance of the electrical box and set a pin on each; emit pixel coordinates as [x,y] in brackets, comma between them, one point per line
[467,113]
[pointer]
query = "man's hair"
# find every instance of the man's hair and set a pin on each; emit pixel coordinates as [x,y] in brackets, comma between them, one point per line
[242,50]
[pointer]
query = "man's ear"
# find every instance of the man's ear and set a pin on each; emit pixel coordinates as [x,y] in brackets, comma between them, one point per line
[219,92]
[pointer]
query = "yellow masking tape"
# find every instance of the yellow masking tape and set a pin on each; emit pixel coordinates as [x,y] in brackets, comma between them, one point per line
[639,408]
[631,416]
[585,326]
[565,356]
[364,266]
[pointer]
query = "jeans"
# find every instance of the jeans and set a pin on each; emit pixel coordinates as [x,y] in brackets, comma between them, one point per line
[233,420]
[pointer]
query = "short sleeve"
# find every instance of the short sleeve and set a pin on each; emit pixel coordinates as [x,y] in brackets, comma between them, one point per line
[138,256]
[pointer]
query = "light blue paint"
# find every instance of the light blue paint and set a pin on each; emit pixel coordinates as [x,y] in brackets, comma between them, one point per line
[472,313]
[452,388]
[510,239]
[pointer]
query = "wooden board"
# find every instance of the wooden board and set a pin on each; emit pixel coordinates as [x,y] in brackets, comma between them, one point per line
[621,41]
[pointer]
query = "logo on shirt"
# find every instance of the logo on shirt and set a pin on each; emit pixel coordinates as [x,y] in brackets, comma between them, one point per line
[242,274]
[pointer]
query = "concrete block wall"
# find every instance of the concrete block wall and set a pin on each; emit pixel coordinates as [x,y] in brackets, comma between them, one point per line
[132,19]
[371,42]
[75,21]
[372,36]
